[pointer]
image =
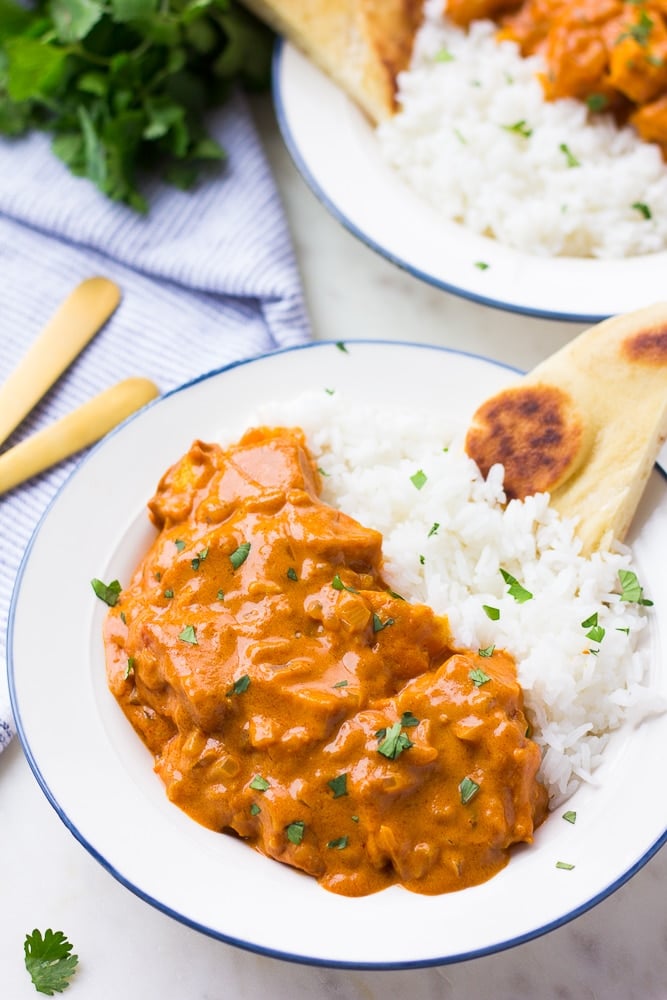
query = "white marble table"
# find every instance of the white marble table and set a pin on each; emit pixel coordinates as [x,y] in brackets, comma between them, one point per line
[128,950]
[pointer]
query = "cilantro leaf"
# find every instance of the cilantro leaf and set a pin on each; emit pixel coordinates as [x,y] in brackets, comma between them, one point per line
[631,591]
[240,685]
[339,844]
[107,592]
[239,555]
[478,677]
[189,635]
[49,961]
[468,790]
[514,588]
[295,831]
[338,785]
[259,783]
[394,742]
[379,625]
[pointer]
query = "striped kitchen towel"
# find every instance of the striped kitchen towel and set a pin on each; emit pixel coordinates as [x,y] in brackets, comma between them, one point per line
[208,277]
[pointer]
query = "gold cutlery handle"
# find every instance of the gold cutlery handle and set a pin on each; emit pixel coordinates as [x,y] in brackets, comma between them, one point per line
[82,427]
[74,324]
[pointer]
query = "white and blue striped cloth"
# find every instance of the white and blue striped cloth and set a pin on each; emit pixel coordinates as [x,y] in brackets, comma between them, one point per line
[208,277]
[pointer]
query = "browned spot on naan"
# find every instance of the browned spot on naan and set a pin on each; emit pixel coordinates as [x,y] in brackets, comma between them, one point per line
[535,431]
[647,346]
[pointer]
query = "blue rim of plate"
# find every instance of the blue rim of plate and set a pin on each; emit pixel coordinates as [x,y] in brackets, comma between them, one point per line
[404,265]
[164,907]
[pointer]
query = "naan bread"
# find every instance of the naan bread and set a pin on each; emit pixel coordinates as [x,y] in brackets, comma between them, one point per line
[586,425]
[361,44]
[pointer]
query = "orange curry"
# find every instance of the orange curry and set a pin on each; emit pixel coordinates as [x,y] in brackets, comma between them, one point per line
[609,53]
[290,698]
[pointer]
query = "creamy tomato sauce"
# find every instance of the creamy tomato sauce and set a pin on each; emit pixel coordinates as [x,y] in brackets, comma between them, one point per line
[290,698]
[612,54]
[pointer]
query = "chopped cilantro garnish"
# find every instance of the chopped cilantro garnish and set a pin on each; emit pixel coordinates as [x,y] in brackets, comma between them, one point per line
[419,479]
[642,208]
[570,158]
[338,584]
[570,816]
[640,31]
[631,592]
[482,265]
[340,684]
[378,624]
[341,347]
[596,634]
[597,102]
[338,785]
[394,742]
[590,621]
[220,596]
[189,635]
[199,558]
[468,790]
[339,844]
[180,544]
[492,613]
[515,590]
[478,677]
[254,809]
[566,866]
[239,555]
[295,831]
[409,721]
[444,56]
[129,669]
[168,594]
[107,592]
[434,529]
[240,685]
[259,783]
[488,651]
[519,128]
[291,574]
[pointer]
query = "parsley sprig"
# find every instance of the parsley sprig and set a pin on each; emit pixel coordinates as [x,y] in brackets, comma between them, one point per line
[123,85]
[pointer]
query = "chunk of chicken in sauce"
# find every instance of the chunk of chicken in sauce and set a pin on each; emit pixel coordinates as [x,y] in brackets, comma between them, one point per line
[609,53]
[290,698]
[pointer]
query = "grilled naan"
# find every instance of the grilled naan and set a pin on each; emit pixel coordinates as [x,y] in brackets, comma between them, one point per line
[361,44]
[585,425]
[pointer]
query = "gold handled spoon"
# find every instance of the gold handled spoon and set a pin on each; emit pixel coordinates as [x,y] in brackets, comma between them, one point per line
[73,432]
[74,324]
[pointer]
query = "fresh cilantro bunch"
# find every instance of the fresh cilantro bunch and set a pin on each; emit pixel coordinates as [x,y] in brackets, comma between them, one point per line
[123,85]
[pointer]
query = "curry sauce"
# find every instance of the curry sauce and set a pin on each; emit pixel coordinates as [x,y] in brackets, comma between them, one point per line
[612,54]
[290,698]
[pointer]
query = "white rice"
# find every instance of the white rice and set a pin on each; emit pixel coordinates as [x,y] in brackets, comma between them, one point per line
[451,141]
[574,698]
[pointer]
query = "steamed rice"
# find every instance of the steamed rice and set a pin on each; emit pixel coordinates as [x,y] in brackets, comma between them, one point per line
[460,140]
[444,545]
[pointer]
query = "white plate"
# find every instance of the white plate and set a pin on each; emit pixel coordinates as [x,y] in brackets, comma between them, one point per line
[335,149]
[99,777]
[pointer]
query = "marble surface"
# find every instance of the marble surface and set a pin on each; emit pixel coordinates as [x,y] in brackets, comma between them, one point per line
[616,951]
